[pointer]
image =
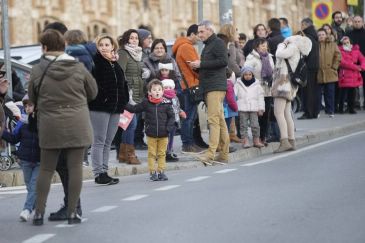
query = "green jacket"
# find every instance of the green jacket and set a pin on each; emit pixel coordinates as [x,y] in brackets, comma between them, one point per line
[214,61]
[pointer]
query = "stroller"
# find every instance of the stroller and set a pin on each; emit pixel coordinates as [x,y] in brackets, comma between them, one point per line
[8,153]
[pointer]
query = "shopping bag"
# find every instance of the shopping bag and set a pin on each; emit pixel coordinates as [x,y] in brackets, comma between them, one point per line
[125,119]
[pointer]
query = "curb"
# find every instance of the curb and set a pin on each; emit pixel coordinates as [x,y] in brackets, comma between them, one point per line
[15,177]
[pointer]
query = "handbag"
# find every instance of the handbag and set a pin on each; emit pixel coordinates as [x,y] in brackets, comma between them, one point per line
[196,95]
[32,119]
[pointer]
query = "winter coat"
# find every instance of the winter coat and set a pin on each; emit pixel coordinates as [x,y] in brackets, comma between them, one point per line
[357,37]
[2,114]
[133,73]
[230,103]
[62,111]
[184,51]
[351,61]
[83,53]
[29,145]
[214,61]
[152,64]
[112,87]
[296,45]
[313,56]
[253,60]
[251,98]
[160,118]
[247,49]
[274,39]
[339,32]
[329,60]
[235,59]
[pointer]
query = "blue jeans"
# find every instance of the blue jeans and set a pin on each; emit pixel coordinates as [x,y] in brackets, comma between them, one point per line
[188,123]
[128,135]
[228,122]
[329,97]
[30,173]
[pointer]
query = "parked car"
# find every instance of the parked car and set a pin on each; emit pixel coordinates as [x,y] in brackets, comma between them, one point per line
[21,69]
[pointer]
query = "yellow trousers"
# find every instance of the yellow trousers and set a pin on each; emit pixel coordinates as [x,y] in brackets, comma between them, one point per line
[156,151]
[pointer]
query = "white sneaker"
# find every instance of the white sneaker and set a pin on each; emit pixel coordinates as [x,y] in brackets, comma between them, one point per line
[24,215]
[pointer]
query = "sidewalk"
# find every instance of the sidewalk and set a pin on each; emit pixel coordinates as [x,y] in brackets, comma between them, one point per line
[307,132]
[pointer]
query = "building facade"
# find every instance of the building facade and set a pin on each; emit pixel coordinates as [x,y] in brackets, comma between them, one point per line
[167,18]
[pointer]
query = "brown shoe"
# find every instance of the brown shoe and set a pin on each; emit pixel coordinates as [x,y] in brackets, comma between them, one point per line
[234,139]
[284,146]
[122,156]
[131,155]
[245,143]
[257,143]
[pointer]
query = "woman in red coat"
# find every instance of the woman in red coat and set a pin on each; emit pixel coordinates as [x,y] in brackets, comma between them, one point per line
[352,63]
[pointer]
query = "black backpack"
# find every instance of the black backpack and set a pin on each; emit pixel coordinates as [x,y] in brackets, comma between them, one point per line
[299,77]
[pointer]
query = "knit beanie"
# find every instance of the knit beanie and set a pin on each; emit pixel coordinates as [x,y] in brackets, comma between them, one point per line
[247,69]
[143,34]
[25,99]
[167,66]
[168,83]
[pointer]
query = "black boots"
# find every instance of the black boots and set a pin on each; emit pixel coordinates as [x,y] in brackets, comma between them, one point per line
[74,218]
[38,219]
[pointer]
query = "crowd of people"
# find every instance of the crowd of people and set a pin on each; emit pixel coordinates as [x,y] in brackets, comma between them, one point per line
[79,90]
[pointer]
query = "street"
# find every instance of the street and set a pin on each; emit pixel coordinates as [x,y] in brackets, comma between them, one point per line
[314,194]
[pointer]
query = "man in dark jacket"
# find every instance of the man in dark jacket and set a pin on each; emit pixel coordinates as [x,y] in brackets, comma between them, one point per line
[357,37]
[336,25]
[275,37]
[212,75]
[310,92]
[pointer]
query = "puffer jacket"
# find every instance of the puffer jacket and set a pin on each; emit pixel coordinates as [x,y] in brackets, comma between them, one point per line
[184,51]
[230,103]
[29,145]
[251,98]
[253,60]
[329,60]
[160,118]
[350,76]
[295,46]
[83,53]
[133,73]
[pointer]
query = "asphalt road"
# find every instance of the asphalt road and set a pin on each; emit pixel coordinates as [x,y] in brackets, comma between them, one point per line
[315,194]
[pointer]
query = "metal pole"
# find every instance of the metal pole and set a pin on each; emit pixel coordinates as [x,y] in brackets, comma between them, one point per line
[6,46]
[225,12]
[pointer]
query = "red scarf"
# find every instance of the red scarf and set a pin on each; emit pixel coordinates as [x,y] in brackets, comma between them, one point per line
[154,100]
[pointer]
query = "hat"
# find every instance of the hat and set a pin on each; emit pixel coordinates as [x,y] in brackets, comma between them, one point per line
[246,69]
[168,83]
[167,66]
[25,99]
[143,34]
[344,38]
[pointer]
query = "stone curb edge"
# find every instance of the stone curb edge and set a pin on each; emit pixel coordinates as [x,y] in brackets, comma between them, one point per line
[15,178]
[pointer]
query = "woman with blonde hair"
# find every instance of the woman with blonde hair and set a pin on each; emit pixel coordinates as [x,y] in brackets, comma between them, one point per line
[105,109]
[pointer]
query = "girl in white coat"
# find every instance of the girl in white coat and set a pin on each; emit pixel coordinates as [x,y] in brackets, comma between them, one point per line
[283,91]
[251,104]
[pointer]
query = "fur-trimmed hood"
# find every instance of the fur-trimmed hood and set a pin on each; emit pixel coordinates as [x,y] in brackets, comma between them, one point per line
[303,43]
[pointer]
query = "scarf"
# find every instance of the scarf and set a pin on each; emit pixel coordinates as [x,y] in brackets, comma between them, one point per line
[154,100]
[134,51]
[247,83]
[266,70]
[169,93]
[347,47]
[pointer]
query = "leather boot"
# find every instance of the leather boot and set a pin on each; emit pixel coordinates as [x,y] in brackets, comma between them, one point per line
[284,146]
[292,143]
[232,133]
[257,143]
[131,155]
[122,156]
[245,143]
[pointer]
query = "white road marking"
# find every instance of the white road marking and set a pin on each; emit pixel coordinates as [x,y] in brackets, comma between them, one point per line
[199,178]
[224,171]
[104,209]
[135,197]
[301,150]
[13,192]
[165,188]
[39,238]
